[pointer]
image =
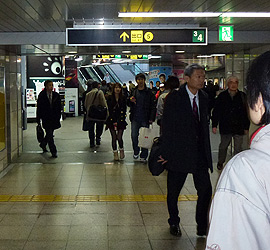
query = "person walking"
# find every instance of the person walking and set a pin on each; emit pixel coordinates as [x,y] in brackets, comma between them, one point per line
[142,113]
[230,114]
[240,211]
[185,147]
[49,113]
[116,121]
[94,97]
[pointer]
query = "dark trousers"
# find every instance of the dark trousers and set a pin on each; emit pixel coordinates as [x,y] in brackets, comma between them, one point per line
[48,139]
[175,182]
[91,132]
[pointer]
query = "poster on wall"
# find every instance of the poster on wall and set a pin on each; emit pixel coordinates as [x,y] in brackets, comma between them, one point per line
[71,75]
[155,73]
[179,73]
[71,101]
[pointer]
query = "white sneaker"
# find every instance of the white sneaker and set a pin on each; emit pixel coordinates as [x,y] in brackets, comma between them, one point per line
[135,157]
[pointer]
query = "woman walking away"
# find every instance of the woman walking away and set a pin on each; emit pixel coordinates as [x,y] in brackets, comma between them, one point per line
[116,121]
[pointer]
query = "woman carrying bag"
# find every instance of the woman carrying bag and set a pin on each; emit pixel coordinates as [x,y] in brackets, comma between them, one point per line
[116,121]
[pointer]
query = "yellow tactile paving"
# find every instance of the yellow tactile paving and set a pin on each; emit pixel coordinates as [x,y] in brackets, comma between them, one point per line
[91,198]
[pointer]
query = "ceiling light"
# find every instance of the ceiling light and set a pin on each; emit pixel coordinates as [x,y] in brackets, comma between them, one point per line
[169,14]
[78,59]
[179,51]
[245,14]
[204,56]
[72,52]
[126,51]
[218,54]
[153,57]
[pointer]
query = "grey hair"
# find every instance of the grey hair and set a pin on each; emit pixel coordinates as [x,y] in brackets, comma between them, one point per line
[191,68]
[232,77]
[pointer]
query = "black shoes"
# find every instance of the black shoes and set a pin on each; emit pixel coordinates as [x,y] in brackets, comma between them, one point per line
[43,148]
[201,232]
[54,155]
[219,166]
[175,230]
[92,145]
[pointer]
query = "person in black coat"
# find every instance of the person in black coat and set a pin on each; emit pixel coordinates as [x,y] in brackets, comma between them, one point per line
[186,147]
[49,112]
[230,114]
[116,121]
[142,113]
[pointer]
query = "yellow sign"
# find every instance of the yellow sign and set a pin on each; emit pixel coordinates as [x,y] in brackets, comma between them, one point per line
[105,56]
[133,57]
[137,36]
[148,36]
[125,36]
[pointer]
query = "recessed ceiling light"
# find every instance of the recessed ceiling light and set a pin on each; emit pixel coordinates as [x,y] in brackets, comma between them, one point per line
[72,52]
[126,51]
[218,54]
[204,56]
[179,51]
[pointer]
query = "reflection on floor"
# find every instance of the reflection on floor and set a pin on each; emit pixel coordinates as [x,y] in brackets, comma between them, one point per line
[84,200]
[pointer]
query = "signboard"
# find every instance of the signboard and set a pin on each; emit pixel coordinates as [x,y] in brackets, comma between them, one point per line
[130,37]
[134,57]
[225,33]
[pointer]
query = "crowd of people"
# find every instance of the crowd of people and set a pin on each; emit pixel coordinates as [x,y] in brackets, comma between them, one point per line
[239,216]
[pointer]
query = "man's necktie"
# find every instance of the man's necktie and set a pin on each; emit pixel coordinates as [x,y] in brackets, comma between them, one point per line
[195,109]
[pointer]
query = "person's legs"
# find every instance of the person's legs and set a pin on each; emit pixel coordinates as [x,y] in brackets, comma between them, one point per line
[175,182]
[238,143]
[99,130]
[121,143]
[114,138]
[50,140]
[135,126]
[225,141]
[91,133]
[204,190]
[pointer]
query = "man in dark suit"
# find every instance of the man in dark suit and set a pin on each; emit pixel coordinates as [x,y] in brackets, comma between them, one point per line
[186,147]
[49,112]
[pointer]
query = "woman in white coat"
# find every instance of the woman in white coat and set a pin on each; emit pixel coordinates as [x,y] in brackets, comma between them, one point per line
[240,210]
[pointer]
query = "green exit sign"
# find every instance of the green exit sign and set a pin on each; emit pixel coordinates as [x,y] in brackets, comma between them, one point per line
[225,33]
[198,36]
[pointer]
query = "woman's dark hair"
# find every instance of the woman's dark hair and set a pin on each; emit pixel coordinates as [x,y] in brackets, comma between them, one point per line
[140,75]
[258,82]
[117,84]
[172,82]
[95,84]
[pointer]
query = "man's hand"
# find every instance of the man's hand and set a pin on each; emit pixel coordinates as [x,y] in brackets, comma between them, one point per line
[163,161]
[133,99]
[214,130]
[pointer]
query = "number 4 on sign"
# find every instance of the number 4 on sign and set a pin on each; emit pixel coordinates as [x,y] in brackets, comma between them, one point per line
[125,36]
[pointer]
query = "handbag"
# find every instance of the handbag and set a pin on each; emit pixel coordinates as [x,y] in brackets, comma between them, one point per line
[85,126]
[97,112]
[146,137]
[40,133]
[155,167]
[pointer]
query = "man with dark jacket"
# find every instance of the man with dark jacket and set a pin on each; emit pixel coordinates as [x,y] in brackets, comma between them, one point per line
[142,113]
[230,113]
[49,112]
[185,147]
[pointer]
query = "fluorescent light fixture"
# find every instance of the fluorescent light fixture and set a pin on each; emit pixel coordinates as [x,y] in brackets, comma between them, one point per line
[169,14]
[154,57]
[245,14]
[218,54]
[204,56]
[193,14]
[72,52]
[179,51]
[126,51]
[78,59]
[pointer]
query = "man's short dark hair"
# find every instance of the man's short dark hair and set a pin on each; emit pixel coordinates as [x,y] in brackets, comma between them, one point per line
[47,82]
[140,75]
[191,68]
[258,82]
[95,84]
[162,75]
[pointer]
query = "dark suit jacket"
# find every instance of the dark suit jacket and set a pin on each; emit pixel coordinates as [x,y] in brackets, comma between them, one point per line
[179,143]
[49,114]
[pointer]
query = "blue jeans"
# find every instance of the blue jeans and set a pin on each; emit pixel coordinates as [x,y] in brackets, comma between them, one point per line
[135,127]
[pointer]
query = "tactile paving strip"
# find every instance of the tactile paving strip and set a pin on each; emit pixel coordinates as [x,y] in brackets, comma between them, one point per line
[91,198]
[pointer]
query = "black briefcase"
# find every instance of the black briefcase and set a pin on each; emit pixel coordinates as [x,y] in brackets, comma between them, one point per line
[40,133]
[155,167]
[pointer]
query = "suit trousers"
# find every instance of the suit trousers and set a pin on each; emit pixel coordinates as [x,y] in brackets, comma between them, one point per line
[175,182]
[48,139]
[225,141]
[92,133]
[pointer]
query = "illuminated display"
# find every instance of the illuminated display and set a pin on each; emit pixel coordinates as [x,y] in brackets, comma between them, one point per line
[111,37]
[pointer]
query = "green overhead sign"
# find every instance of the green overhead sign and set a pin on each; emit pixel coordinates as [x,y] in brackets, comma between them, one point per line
[225,33]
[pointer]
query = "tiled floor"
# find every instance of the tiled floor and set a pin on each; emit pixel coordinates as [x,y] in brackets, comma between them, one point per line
[106,222]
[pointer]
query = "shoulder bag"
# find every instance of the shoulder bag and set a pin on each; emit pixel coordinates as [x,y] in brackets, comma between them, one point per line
[97,112]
